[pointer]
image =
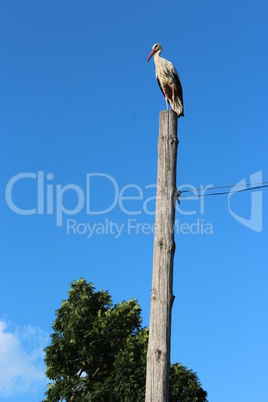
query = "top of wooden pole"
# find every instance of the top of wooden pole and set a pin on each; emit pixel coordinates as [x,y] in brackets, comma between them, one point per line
[168,112]
[168,124]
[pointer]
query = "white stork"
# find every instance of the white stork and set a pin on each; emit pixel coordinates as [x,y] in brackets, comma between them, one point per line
[168,79]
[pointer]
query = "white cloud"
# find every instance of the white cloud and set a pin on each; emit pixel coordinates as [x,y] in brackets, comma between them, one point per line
[21,360]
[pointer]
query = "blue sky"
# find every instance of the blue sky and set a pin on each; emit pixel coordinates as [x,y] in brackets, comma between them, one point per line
[77,99]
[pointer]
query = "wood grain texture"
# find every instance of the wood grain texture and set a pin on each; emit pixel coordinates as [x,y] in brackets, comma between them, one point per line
[158,355]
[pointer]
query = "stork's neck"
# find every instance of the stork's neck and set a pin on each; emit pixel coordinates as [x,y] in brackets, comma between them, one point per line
[157,56]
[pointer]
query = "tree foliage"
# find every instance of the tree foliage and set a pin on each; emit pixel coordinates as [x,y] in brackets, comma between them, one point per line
[185,385]
[98,352]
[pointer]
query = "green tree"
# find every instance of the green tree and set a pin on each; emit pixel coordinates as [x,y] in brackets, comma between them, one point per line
[98,352]
[185,385]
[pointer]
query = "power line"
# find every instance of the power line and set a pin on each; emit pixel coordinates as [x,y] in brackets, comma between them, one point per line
[234,185]
[264,185]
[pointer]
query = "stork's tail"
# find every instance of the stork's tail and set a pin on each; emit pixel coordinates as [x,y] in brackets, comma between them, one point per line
[179,110]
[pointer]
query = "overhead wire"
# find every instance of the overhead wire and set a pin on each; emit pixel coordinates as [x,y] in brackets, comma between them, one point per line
[256,186]
[230,186]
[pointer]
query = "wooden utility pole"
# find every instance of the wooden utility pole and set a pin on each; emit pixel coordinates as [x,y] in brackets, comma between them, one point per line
[158,355]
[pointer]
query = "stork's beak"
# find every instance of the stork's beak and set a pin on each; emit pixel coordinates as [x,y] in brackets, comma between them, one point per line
[150,55]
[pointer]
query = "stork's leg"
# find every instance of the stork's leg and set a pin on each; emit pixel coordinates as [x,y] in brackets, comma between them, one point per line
[173,98]
[166,98]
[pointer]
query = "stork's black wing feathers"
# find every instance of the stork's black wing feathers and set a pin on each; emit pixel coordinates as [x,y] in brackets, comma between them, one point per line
[177,85]
[160,86]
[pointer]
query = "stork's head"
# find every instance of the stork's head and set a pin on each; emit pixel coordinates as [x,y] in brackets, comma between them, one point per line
[156,48]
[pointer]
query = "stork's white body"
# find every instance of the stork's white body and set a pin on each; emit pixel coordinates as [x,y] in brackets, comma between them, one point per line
[168,80]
